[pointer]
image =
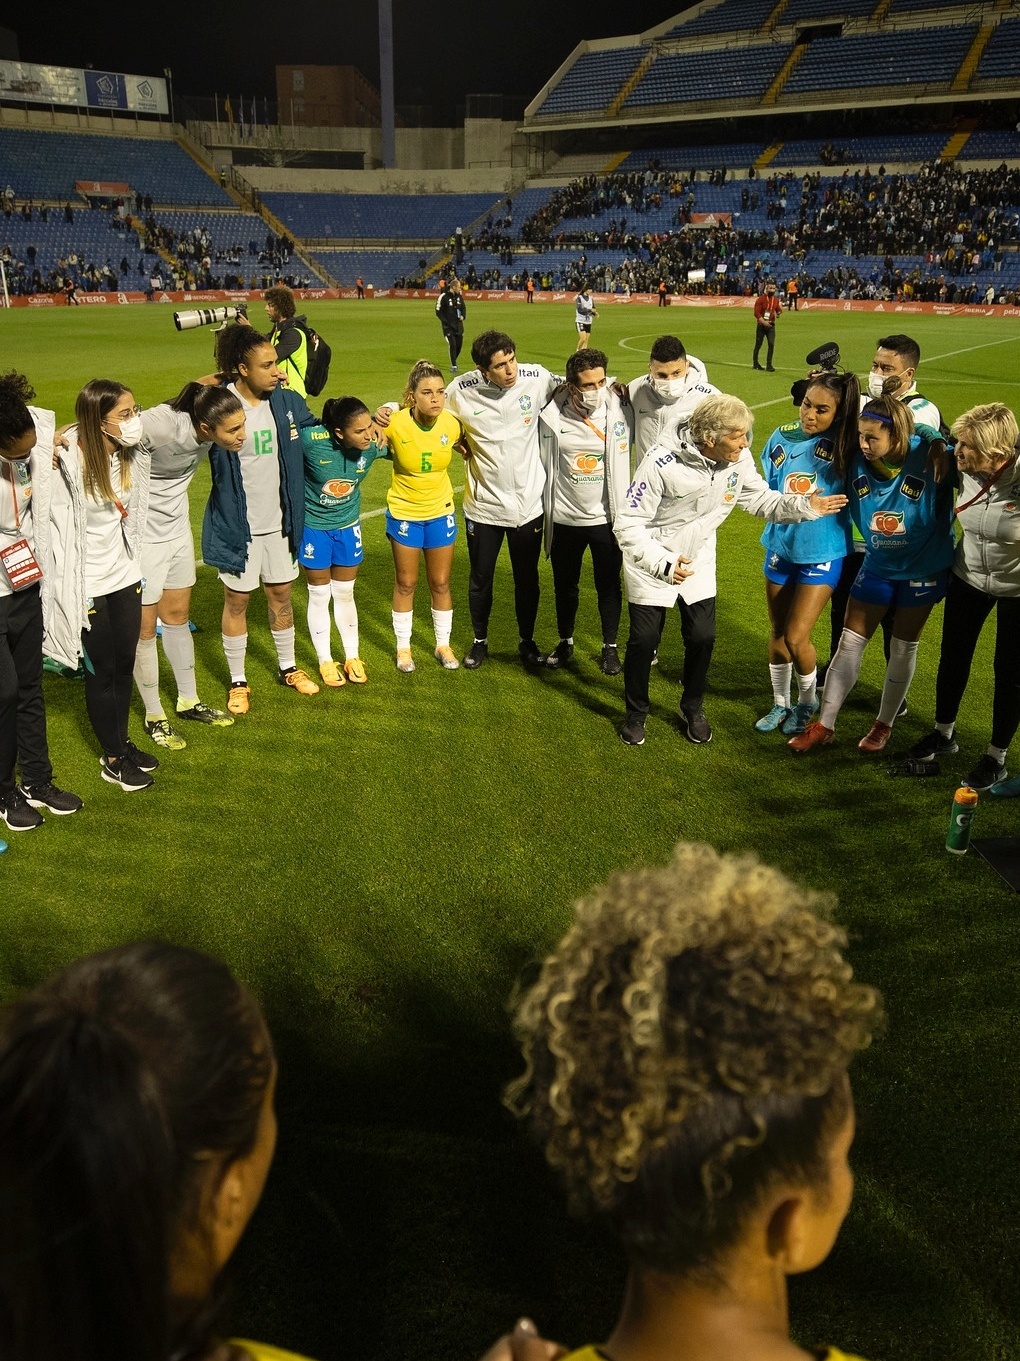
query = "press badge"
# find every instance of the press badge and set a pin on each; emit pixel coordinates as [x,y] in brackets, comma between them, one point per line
[19,564]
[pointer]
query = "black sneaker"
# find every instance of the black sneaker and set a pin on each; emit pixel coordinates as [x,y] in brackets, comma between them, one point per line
[633,731]
[477,655]
[202,713]
[561,654]
[142,760]
[18,813]
[48,796]
[932,745]
[696,727]
[125,773]
[610,665]
[527,650]
[987,772]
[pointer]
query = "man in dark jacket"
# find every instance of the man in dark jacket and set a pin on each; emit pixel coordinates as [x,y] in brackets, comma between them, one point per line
[451,310]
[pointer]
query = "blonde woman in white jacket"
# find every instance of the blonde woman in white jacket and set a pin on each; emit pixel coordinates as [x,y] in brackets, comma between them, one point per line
[985,578]
[666,529]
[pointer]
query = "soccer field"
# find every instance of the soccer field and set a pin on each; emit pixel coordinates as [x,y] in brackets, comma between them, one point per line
[382,861]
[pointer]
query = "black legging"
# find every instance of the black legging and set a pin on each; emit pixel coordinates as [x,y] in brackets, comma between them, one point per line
[455,340]
[566,556]
[966,610]
[525,545]
[109,647]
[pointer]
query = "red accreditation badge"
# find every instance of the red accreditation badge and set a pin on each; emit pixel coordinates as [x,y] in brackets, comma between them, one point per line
[19,564]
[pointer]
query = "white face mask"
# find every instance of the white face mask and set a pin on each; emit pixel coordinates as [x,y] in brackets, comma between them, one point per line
[876,385]
[130,432]
[592,401]
[667,388]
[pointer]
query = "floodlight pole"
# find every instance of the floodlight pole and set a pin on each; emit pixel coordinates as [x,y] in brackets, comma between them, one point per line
[3,279]
[170,90]
[389,138]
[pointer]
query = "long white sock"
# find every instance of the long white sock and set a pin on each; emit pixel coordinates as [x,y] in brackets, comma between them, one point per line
[442,622]
[997,754]
[781,673]
[807,687]
[179,647]
[234,649]
[318,620]
[402,621]
[147,677]
[283,641]
[841,676]
[345,612]
[898,674]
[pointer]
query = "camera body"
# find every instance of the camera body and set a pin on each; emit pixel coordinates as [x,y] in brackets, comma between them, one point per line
[208,316]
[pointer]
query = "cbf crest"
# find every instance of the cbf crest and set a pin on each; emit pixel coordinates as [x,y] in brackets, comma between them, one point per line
[731,486]
[444,440]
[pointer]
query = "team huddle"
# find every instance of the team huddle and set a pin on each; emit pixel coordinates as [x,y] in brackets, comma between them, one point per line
[860,496]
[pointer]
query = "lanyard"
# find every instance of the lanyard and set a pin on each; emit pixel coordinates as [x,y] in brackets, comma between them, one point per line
[1010,463]
[601,433]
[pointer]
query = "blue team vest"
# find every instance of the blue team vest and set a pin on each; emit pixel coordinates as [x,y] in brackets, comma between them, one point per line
[906,522]
[794,463]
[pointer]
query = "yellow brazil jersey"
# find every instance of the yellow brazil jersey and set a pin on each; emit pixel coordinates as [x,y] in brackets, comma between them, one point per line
[262,1351]
[421,488]
[596,1354]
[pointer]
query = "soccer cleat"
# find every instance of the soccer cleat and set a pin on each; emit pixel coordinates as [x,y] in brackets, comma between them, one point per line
[814,735]
[532,658]
[875,739]
[405,662]
[202,713]
[769,368]
[298,680]
[354,670]
[610,664]
[633,732]
[477,655]
[561,654]
[800,717]
[144,760]
[1006,789]
[48,796]
[332,675]
[933,744]
[696,726]
[163,735]
[126,774]
[18,813]
[987,772]
[238,697]
[774,719]
[446,658]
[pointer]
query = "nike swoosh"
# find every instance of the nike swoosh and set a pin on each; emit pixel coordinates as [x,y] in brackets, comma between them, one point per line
[325,460]
[478,412]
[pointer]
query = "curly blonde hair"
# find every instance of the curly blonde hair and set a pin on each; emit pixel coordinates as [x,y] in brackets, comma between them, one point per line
[686,1043]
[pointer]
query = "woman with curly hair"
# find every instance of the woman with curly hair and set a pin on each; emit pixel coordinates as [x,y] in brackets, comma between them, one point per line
[686,1049]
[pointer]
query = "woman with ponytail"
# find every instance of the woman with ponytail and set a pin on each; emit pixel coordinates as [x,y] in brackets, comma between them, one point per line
[803,561]
[177,434]
[338,455]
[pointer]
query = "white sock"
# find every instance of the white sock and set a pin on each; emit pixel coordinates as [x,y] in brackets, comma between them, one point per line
[898,674]
[841,676]
[402,621]
[442,622]
[807,687]
[946,729]
[997,754]
[345,612]
[179,647]
[283,641]
[781,673]
[147,678]
[234,649]
[318,620]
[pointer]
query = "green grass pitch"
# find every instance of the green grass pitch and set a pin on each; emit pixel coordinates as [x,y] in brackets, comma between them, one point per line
[381,862]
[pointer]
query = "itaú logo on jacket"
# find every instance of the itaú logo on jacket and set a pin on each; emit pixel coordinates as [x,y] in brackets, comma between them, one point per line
[887,523]
[799,484]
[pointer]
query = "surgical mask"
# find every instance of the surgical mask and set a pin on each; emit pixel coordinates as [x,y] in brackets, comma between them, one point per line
[130,432]
[876,385]
[667,388]
[594,400]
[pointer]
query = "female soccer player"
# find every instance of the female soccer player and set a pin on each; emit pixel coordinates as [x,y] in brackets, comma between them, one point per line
[585,436]
[420,519]
[177,434]
[985,578]
[104,507]
[338,455]
[686,1049]
[803,561]
[903,507]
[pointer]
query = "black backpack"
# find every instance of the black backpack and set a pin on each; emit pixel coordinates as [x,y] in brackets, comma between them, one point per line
[319,356]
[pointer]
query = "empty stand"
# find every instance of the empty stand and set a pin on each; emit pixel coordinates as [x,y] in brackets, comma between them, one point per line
[881,59]
[592,82]
[737,74]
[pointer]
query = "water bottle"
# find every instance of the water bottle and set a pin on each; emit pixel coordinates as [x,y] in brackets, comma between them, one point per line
[964,805]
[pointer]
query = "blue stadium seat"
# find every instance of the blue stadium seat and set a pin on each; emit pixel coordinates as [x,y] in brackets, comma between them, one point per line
[881,59]
[592,82]
[746,73]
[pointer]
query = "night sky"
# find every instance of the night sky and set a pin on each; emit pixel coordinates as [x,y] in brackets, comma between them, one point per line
[441,53]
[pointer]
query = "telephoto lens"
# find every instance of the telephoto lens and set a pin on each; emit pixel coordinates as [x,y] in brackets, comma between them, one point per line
[207,316]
